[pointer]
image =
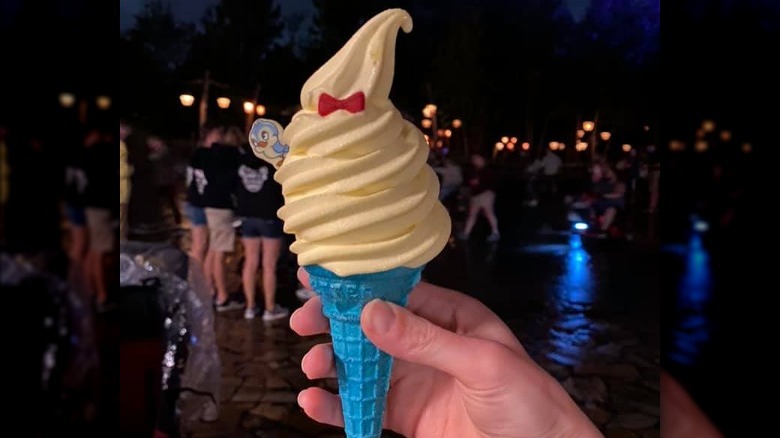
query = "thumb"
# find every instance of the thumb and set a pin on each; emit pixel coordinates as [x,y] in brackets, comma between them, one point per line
[404,335]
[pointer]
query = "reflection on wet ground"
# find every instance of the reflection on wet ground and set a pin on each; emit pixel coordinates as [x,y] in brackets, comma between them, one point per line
[586,310]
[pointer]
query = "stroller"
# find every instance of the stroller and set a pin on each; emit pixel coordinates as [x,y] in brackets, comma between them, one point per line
[168,346]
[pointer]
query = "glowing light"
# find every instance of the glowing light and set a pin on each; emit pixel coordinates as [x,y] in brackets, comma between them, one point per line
[588,126]
[701,226]
[701,146]
[260,110]
[581,226]
[103,102]
[223,102]
[580,133]
[499,146]
[67,100]
[561,146]
[187,99]
[725,135]
[606,135]
[426,123]
[626,147]
[676,146]
[448,133]
[581,146]
[510,146]
[457,123]
[525,145]
[249,107]
[747,148]
[708,125]
[513,140]
[505,139]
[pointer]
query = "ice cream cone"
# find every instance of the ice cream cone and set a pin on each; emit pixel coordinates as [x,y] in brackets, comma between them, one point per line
[363,370]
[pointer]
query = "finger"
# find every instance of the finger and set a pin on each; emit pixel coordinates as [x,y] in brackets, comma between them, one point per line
[308,320]
[681,417]
[318,362]
[402,334]
[321,406]
[303,277]
[461,313]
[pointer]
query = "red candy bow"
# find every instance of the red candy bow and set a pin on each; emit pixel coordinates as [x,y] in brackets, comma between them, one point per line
[354,103]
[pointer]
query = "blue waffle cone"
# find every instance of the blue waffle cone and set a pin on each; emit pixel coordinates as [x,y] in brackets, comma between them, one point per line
[363,370]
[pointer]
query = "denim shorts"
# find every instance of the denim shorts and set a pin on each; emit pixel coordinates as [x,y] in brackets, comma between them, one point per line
[196,215]
[259,227]
[76,215]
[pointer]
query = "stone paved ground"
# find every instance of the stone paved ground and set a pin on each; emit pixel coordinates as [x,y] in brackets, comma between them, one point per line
[588,316]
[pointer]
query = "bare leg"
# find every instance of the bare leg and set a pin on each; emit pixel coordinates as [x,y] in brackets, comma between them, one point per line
[200,237]
[471,219]
[491,217]
[609,217]
[219,276]
[98,277]
[271,249]
[77,252]
[208,270]
[249,272]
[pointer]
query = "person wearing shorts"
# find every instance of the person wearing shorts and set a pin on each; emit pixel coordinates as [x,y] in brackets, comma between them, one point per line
[258,198]
[75,184]
[219,165]
[196,185]
[99,203]
[483,196]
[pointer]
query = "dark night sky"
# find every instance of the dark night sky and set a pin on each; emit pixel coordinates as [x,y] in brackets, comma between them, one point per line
[192,10]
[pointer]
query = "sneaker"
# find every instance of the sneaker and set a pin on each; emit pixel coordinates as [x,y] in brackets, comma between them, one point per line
[304,294]
[493,237]
[250,313]
[227,305]
[277,313]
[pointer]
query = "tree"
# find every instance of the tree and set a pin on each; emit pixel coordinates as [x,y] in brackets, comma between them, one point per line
[236,39]
[164,40]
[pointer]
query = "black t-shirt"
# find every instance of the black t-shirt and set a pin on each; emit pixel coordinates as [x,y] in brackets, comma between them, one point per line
[481,180]
[257,193]
[102,176]
[196,180]
[75,177]
[220,163]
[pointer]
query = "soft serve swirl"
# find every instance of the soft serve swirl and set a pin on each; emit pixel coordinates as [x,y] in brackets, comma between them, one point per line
[359,196]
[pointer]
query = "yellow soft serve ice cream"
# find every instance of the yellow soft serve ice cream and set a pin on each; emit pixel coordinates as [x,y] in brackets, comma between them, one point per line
[359,196]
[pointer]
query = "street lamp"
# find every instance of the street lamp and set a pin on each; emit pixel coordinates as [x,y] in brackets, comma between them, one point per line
[626,147]
[67,100]
[747,148]
[561,146]
[553,145]
[513,140]
[249,108]
[103,102]
[708,125]
[581,146]
[676,146]
[260,110]
[223,102]
[504,139]
[580,133]
[725,135]
[701,146]
[525,145]
[187,99]
[426,123]
[606,135]
[448,133]
[588,126]
[457,123]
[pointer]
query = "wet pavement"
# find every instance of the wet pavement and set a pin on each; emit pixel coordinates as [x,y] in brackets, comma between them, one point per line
[587,310]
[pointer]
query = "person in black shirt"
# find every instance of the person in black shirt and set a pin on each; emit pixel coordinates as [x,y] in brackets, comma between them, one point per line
[99,203]
[258,197]
[75,185]
[196,184]
[219,167]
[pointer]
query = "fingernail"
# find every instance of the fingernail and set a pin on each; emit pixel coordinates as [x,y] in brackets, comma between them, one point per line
[303,362]
[292,317]
[299,399]
[382,316]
